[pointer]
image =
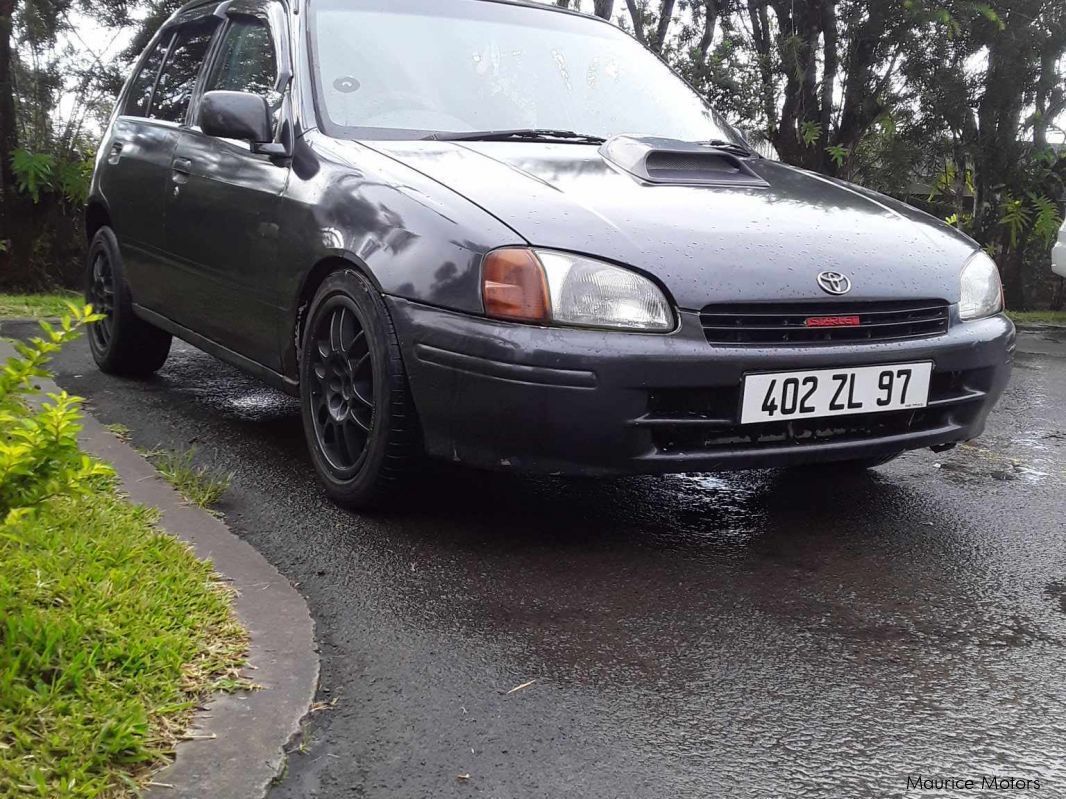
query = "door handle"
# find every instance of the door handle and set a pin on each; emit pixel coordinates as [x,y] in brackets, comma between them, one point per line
[180,169]
[115,154]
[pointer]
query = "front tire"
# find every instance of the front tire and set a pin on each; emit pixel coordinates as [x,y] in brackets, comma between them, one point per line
[121,343]
[359,419]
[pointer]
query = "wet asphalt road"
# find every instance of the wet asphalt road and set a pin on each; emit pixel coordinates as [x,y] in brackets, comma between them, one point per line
[746,635]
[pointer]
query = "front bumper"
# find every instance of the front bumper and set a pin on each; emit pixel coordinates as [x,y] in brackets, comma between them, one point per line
[556,400]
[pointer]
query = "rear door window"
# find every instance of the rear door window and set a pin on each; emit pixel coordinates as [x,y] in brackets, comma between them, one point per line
[246,61]
[177,81]
[140,96]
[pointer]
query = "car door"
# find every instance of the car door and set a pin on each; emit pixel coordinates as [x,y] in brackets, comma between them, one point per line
[221,215]
[139,149]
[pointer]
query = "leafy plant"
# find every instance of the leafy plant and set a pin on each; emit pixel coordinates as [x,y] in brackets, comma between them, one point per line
[1016,217]
[38,172]
[33,171]
[963,222]
[1047,221]
[39,455]
[73,179]
[838,154]
[947,181]
[887,123]
[810,132]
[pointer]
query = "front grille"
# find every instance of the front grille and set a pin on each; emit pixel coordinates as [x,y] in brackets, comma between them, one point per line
[707,419]
[784,323]
[808,432]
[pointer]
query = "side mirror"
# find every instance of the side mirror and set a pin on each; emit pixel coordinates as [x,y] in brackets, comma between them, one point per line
[236,115]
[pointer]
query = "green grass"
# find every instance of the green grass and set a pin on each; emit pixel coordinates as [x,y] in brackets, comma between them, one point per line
[1038,317]
[198,484]
[37,306]
[111,632]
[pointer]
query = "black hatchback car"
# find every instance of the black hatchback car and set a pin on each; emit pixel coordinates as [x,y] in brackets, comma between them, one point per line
[506,235]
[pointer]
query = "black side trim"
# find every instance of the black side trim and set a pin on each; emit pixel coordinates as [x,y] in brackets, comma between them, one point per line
[514,372]
[264,373]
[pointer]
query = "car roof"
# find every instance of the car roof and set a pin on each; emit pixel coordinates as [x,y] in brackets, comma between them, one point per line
[194,4]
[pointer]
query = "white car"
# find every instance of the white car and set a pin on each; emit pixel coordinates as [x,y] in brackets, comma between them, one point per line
[1058,255]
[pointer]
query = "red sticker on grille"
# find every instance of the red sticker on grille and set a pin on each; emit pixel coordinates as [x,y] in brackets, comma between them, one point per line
[833,321]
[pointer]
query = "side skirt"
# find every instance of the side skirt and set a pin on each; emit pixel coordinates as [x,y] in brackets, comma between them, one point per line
[264,373]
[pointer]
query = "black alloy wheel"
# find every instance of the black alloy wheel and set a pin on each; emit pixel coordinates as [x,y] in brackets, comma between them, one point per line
[101,295]
[121,343]
[342,386]
[359,418]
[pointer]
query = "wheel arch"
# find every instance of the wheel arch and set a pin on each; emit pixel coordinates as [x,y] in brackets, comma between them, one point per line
[96,217]
[313,280]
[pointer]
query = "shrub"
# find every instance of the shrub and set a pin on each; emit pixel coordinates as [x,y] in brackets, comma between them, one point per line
[39,455]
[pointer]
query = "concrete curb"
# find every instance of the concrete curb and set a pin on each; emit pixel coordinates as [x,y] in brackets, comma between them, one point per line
[241,738]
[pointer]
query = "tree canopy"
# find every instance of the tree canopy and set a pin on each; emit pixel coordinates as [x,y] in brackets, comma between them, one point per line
[951,105]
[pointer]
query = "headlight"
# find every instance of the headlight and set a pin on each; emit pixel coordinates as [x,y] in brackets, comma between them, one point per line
[982,291]
[552,287]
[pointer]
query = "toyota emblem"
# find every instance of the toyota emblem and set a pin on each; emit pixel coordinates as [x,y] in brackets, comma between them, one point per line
[834,283]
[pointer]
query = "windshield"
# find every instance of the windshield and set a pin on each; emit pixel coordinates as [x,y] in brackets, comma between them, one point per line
[406,69]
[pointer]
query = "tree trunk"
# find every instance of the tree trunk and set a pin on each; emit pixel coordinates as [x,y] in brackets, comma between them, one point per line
[760,29]
[603,8]
[998,120]
[26,225]
[1011,266]
[637,16]
[666,14]
[830,63]
[798,53]
[8,131]
[710,23]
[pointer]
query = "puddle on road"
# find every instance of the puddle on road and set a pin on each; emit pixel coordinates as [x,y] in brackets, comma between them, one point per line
[225,389]
[972,463]
[261,404]
[1031,457]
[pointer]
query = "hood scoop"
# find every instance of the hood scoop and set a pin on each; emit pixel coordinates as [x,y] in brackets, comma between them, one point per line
[678,163]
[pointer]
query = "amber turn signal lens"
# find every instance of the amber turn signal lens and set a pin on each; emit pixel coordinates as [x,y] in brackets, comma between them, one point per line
[514,286]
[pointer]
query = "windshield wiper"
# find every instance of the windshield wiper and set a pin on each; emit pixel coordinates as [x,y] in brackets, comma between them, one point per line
[565,136]
[526,134]
[730,147]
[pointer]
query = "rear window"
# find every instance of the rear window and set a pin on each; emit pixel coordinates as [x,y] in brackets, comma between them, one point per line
[140,96]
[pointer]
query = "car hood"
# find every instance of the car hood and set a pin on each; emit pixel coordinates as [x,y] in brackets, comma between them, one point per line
[706,244]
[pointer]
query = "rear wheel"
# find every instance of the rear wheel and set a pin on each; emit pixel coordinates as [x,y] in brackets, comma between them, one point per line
[121,343]
[358,416]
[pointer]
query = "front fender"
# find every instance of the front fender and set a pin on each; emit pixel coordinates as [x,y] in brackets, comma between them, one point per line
[412,236]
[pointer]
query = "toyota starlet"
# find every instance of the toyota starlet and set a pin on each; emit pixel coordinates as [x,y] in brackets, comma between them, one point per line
[506,235]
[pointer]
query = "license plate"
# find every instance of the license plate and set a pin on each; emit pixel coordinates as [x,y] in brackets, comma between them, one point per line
[835,392]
